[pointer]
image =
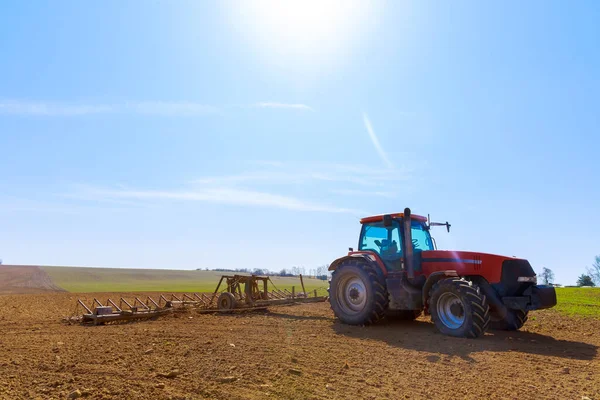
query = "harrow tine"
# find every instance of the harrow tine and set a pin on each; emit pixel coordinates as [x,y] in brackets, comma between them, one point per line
[153,302]
[175,297]
[82,304]
[141,303]
[114,305]
[200,299]
[128,305]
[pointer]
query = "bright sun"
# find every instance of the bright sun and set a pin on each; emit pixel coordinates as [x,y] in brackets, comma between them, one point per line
[297,30]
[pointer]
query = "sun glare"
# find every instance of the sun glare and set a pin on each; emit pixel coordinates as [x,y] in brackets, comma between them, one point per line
[303,30]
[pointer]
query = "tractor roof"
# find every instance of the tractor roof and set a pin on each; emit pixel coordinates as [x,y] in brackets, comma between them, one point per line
[377,218]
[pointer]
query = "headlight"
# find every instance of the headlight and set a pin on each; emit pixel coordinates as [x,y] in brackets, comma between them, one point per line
[532,279]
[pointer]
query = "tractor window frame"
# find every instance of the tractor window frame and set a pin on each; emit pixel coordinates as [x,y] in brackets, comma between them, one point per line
[396,235]
[421,227]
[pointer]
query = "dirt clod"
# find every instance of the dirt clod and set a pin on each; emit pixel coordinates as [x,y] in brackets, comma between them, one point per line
[294,371]
[227,379]
[74,394]
[172,374]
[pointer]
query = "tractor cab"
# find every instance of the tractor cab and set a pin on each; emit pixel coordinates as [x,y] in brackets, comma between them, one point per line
[387,239]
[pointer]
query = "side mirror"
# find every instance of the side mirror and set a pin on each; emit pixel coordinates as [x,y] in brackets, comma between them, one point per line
[448,226]
[387,220]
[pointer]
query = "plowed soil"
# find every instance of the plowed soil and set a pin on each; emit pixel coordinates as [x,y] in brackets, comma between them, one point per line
[25,279]
[295,352]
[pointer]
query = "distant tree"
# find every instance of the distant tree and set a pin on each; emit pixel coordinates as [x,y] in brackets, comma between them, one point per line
[585,280]
[322,272]
[547,276]
[593,272]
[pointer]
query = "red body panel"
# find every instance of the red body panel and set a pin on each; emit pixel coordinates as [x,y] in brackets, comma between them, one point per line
[464,263]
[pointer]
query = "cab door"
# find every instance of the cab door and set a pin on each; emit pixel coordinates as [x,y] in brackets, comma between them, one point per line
[386,241]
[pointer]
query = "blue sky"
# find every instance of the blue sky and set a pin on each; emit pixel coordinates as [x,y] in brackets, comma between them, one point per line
[250,134]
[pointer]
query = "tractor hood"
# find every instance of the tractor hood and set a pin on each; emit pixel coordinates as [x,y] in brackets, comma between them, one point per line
[490,266]
[461,256]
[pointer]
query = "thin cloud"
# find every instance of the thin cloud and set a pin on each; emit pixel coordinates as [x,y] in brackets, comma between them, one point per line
[159,108]
[270,104]
[281,174]
[184,109]
[220,195]
[352,192]
[49,109]
[375,141]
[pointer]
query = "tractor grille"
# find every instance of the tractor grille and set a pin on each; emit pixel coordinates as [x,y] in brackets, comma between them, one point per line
[511,271]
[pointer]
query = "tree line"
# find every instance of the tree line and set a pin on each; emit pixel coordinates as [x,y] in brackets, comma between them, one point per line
[590,278]
[320,272]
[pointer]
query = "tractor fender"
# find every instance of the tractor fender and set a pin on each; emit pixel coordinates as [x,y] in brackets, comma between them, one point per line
[432,279]
[369,256]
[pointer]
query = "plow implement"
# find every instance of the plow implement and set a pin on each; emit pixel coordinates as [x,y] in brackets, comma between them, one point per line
[233,293]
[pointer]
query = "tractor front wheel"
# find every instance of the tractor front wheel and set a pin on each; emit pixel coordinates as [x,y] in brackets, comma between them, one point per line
[459,308]
[515,319]
[357,295]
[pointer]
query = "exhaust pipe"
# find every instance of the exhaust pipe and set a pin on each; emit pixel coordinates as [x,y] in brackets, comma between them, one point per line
[408,248]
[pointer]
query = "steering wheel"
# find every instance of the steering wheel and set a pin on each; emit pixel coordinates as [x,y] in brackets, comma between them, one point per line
[415,244]
[378,243]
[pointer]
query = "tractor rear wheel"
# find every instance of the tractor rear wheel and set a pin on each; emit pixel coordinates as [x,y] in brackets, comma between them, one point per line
[357,294]
[459,308]
[515,319]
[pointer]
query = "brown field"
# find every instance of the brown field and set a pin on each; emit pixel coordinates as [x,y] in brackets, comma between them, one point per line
[25,279]
[295,352]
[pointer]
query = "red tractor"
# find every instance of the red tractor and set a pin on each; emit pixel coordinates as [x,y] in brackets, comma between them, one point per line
[398,271]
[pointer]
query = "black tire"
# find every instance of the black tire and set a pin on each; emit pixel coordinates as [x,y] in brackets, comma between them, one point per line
[226,301]
[515,319]
[403,315]
[459,308]
[357,294]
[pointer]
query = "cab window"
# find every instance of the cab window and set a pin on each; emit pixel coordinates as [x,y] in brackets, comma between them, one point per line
[382,240]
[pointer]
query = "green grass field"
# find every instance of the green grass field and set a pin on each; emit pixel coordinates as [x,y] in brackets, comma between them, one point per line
[89,280]
[584,302]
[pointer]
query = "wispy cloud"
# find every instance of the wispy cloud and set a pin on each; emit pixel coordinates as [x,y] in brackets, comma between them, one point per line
[50,109]
[271,104]
[185,109]
[375,141]
[160,108]
[281,174]
[369,193]
[218,195]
